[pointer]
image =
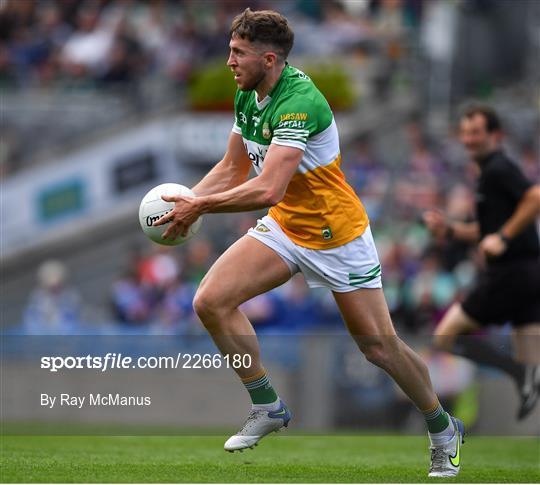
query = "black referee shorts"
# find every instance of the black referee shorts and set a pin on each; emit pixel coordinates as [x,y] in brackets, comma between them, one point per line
[506,293]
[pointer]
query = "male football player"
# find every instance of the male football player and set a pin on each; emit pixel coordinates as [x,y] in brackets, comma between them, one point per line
[316,224]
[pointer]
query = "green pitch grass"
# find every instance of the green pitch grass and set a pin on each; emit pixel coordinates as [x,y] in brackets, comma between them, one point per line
[279,458]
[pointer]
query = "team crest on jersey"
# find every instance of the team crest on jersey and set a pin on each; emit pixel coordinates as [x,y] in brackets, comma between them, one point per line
[260,227]
[266,133]
[327,233]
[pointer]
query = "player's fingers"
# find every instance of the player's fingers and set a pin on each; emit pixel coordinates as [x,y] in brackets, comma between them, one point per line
[167,234]
[170,198]
[168,217]
[172,231]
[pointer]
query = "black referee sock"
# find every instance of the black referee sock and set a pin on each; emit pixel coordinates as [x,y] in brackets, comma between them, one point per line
[481,352]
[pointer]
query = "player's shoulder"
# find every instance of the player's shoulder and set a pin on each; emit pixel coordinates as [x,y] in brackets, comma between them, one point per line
[300,100]
[299,88]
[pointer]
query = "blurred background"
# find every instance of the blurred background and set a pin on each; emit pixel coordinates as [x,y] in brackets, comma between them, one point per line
[103,99]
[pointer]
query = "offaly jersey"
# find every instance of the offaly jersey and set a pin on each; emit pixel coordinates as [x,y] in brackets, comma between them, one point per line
[319,210]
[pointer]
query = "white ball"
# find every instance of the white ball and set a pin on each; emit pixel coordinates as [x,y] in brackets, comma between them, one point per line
[153,207]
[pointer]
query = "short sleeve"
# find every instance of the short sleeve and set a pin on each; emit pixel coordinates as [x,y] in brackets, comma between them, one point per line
[510,179]
[236,129]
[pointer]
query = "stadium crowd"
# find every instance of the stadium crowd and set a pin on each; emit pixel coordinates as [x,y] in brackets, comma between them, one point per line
[82,43]
[132,57]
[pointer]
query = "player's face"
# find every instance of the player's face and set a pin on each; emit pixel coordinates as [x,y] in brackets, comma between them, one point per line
[247,63]
[476,139]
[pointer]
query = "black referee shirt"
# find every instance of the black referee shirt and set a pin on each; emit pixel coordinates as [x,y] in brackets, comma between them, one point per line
[501,186]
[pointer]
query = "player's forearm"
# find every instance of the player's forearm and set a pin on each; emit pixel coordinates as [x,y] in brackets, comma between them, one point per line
[464,231]
[526,212]
[251,195]
[222,177]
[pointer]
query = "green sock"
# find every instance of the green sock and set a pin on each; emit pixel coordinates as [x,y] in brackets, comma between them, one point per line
[437,419]
[260,389]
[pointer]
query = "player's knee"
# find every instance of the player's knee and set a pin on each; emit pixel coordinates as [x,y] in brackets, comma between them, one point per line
[205,304]
[378,352]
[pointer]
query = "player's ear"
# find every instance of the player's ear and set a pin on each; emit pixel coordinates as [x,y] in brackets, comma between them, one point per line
[270,59]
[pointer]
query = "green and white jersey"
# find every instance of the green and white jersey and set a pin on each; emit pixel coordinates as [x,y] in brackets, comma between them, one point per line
[319,210]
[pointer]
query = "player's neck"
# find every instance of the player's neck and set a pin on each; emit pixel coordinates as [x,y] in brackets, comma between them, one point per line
[270,80]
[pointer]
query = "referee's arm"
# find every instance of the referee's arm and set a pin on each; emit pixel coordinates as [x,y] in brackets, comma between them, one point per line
[443,228]
[526,212]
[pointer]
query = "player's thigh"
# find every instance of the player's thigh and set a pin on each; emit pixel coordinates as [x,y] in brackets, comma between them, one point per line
[247,269]
[527,343]
[365,312]
[454,322]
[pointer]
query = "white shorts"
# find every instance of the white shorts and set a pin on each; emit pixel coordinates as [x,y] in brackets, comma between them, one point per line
[345,268]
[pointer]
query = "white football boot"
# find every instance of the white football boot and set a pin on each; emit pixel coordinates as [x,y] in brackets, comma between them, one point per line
[259,423]
[445,459]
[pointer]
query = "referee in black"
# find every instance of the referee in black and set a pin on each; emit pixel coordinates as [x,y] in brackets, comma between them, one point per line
[508,286]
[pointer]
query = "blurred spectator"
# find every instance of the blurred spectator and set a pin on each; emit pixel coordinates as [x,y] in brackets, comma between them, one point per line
[151,26]
[369,176]
[156,271]
[86,50]
[159,268]
[263,311]
[181,51]
[53,307]
[288,308]
[125,60]
[131,301]
[176,309]
[418,188]
[299,310]
[429,293]
[158,287]
[200,256]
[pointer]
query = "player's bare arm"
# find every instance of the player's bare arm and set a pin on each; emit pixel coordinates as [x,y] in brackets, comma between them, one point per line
[260,192]
[527,211]
[229,172]
[443,228]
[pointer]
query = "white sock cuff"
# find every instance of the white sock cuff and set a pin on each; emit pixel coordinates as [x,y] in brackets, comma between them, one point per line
[273,406]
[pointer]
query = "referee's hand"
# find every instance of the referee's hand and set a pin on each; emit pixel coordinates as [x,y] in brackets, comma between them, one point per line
[492,246]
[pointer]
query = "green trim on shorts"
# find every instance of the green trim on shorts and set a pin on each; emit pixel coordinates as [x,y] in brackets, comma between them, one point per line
[358,279]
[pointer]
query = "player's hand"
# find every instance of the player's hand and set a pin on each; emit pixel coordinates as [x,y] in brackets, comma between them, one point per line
[186,211]
[492,246]
[436,223]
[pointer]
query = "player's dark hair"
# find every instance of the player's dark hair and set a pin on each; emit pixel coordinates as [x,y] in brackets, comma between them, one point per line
[264,27]
[493,122]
